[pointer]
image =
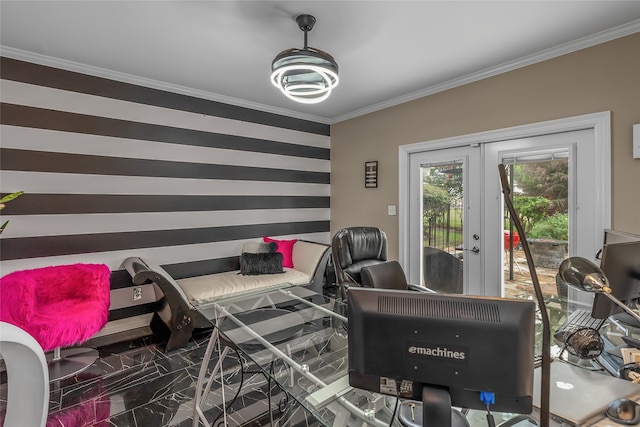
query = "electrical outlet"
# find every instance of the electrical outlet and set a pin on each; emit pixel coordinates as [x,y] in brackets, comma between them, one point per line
[137,294]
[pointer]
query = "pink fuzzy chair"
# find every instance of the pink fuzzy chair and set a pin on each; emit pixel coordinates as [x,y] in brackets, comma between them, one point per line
[59,306]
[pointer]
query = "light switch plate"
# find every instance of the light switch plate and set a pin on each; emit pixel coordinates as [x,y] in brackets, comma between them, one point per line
[636,141]
[391,209]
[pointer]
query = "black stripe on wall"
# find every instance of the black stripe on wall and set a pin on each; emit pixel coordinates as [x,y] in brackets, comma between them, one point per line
[134,310]
[48,204]
[42,118]
[34,247]
[44,161]
[120,279]
[201,268]
[41,75]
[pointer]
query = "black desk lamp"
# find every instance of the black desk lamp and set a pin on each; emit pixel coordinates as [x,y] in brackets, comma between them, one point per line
[584,275]
[545,383]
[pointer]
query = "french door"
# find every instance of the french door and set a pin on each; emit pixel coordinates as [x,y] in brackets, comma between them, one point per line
[445,225]
[565,151]
[481,224]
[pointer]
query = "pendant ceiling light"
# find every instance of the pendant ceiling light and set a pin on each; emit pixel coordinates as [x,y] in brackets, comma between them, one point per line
[306,75]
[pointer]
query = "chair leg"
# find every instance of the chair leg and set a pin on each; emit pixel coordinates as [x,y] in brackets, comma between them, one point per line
[344,293]
[517,265]
[70,361]
[514,260]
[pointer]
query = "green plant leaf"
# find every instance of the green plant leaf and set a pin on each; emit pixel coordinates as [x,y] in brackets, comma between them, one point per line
[10,197]
[6,199]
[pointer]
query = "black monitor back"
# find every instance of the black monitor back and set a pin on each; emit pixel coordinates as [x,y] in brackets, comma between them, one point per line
[467,344]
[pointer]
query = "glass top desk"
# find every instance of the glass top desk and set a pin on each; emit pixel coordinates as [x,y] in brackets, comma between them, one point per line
[299,340]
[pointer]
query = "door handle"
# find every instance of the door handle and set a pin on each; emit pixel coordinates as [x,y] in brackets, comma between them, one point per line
[475,250]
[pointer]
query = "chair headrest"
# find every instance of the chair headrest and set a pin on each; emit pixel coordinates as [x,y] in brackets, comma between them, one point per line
[366,243]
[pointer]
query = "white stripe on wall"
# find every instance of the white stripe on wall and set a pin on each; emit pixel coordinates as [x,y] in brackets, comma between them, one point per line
[68,183]
[61,100]
[69,142]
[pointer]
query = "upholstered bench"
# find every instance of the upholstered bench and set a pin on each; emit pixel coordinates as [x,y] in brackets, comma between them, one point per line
[309,262]
[181,298]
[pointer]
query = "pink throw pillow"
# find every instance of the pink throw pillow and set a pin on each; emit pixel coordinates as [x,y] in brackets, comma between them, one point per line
[285,247]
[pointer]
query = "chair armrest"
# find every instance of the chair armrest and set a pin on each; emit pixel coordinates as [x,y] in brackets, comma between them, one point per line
[308,256]
[19,296]
[28,377]
[176,311]
[142,271]
[312,258]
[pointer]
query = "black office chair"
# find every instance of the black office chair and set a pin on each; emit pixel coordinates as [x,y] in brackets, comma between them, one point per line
[443,272]
[388,275]
[354,248]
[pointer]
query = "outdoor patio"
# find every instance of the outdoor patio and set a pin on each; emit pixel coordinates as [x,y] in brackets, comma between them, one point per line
[522,287]
[522,284]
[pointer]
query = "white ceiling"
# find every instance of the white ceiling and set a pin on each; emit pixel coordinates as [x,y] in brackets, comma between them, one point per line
[388,51]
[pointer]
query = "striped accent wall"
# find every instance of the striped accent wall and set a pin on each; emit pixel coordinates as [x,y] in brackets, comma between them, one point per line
[112,170]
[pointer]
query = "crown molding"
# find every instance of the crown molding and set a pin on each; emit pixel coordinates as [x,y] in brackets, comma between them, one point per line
[77,67]
[573,46]
[543,55]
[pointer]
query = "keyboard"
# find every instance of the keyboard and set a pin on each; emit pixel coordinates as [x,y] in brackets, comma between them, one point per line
[576,320]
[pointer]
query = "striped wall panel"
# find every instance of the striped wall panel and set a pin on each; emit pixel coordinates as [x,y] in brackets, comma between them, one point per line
[112,170]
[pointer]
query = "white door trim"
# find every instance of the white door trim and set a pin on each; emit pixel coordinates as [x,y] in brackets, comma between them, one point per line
[599,122]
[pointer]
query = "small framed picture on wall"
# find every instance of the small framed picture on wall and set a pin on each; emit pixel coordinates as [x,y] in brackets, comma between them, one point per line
[371,174]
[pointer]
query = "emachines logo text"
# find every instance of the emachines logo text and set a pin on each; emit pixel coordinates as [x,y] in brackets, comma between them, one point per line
[435,351]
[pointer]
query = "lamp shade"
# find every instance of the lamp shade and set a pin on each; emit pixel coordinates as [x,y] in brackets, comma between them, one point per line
[580,273]
[306,75]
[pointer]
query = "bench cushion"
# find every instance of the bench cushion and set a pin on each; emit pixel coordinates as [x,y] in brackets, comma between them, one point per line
[203,289]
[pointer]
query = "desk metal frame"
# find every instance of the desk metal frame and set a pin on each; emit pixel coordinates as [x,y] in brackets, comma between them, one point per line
[326,393]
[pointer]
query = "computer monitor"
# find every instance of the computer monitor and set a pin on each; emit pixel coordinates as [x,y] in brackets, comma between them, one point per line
[412,344]
[621,264]
[617,236]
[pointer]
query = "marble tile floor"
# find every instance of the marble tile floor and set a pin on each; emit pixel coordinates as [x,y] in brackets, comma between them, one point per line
[135,383]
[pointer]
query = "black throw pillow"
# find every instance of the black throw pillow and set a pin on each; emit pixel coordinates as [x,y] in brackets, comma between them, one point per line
[252,264]
[259,247]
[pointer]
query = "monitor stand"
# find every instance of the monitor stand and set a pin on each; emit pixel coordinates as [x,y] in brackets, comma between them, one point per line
[438,413]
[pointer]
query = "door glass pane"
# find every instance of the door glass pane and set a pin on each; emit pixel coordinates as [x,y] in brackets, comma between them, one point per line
[442,226]
[540,196]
